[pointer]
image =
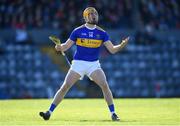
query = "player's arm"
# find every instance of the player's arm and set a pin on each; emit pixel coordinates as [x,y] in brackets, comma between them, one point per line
[64,46]
[115,48]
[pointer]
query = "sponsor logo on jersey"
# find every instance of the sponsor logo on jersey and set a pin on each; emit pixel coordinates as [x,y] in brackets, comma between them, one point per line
[91,43]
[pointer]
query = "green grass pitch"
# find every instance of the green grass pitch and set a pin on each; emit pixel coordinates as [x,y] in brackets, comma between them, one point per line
[91,112]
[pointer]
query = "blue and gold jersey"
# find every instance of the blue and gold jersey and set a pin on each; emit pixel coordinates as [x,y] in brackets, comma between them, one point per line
[88,42]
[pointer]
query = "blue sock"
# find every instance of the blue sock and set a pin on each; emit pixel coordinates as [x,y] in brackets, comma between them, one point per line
[111,108]
[52,107]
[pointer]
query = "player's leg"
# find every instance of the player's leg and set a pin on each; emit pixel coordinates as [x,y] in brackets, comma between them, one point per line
[99,78]
[70,79]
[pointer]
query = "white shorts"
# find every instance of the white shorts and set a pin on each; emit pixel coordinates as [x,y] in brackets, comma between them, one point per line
[85,67]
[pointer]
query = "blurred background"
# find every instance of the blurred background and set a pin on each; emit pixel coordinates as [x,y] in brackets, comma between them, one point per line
[148,67]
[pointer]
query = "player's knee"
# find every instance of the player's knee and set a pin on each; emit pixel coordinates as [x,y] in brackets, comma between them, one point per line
[68,82]
[65,87]
[104,85]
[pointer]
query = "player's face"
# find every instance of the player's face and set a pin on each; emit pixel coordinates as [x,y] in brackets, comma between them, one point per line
[93,17]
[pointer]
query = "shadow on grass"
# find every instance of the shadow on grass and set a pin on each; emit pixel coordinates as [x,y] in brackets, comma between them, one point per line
[85,120]
[107,121]
[128,121]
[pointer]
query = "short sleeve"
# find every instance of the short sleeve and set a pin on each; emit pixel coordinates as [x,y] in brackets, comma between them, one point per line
[73,35]
[106,37]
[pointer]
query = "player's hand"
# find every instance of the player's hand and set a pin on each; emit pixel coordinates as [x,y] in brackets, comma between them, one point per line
[124,42]
[58,48]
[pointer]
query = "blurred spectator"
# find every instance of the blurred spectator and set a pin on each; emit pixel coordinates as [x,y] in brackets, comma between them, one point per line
[1,47]
[55,14]
[114,14]
[146,36]
[163,14]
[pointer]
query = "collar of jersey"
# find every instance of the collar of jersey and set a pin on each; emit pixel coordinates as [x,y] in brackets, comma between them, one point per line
[89,27]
